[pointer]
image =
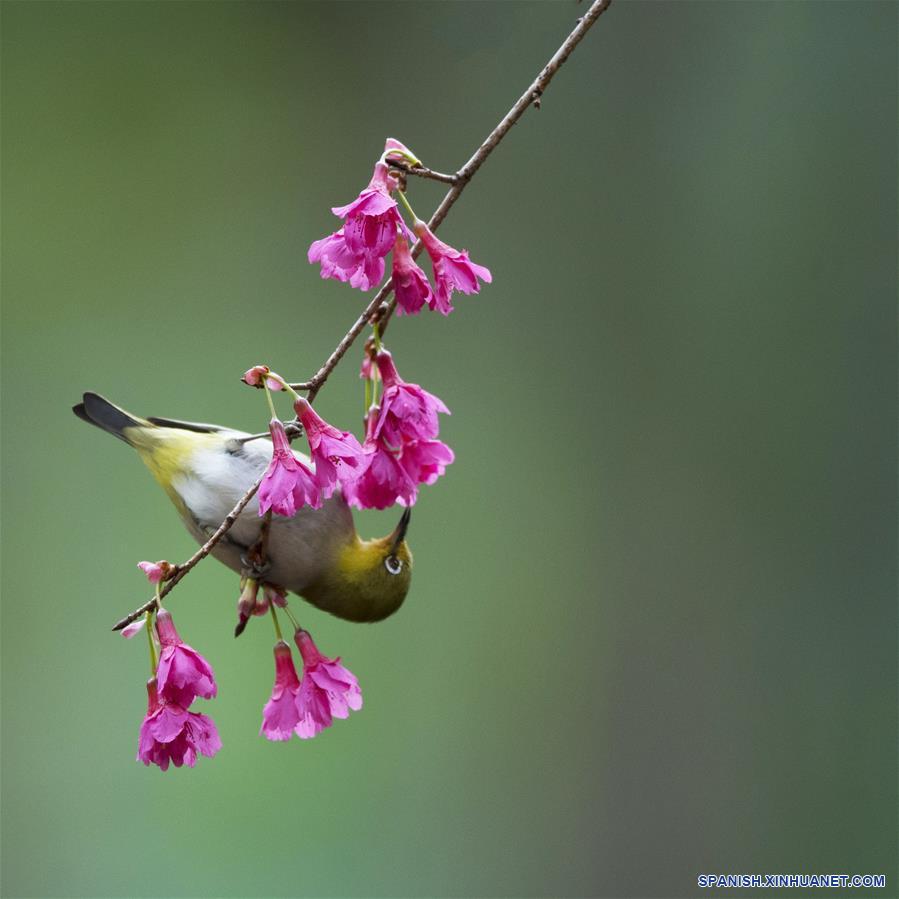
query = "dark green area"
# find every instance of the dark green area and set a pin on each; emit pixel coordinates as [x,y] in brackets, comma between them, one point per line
[652,630]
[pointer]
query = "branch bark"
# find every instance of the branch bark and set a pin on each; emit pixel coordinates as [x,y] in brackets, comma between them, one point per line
[380,308]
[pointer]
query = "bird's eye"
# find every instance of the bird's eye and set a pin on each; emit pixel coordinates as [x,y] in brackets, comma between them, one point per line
[393,564]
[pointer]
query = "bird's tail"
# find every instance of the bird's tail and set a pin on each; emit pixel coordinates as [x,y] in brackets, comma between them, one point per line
[97,410]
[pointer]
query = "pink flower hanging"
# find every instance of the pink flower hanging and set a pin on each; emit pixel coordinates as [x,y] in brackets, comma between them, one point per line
[337,454]
[355,253]
[452,270]
[328,689]
[382,480]
[182,673]
[288,484]
[408,412]
[280,715]
[171,734]
[410,283]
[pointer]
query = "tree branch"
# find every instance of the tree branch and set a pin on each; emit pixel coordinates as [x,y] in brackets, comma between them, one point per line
[421,171]
[379,309]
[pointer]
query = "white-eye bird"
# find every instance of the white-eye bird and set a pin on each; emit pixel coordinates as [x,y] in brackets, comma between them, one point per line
[205,469]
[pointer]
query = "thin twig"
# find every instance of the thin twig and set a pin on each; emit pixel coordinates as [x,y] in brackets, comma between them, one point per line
[422,171]
[379,308]
[531,97]
[201,553]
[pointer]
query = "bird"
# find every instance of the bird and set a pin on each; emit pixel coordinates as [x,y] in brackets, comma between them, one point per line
[317,553]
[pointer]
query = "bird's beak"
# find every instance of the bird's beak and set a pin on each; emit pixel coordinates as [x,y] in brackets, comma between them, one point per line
[397,537]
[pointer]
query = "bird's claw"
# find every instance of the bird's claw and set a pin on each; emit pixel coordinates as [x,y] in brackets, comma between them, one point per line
[254,568]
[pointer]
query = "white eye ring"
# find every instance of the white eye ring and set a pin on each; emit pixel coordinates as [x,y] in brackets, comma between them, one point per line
[393,564]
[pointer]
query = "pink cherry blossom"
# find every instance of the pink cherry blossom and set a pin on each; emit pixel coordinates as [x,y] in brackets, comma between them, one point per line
[280,715]
[288,484]
[382,480]
[401,449]
[410,283]
[383,483]
[313,711]
[407,411]
[355,253]
[337,454]
[256,376]
[327,690]
[155,571]
[375,200]
[170,733]
[362,270]
[182,673]
[452,270]
[426,460]
[371,236]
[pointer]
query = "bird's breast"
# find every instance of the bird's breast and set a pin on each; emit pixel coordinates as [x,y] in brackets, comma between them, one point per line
[299,549]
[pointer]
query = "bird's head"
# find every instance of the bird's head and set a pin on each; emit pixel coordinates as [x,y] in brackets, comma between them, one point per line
[369,578]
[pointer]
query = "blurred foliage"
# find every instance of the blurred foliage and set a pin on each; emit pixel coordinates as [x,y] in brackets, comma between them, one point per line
[652,630]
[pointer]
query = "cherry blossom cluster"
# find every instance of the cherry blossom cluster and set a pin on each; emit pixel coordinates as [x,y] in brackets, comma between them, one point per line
[173,734]
[307,706]
[401,445]
[399,453]
[373,226]
[170,732]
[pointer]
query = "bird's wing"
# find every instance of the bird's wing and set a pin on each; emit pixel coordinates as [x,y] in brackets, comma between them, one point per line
[197,426]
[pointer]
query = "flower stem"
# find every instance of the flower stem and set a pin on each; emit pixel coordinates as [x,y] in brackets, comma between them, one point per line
[277,624]
[284,384]
[268,396]
[153,660]
[293,621]
[402,195]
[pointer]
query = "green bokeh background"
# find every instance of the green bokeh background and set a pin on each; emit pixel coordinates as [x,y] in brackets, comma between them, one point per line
[652,631]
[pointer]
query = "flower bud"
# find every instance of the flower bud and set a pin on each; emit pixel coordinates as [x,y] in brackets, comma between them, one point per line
[245,604]
[157,571]
[256,375]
